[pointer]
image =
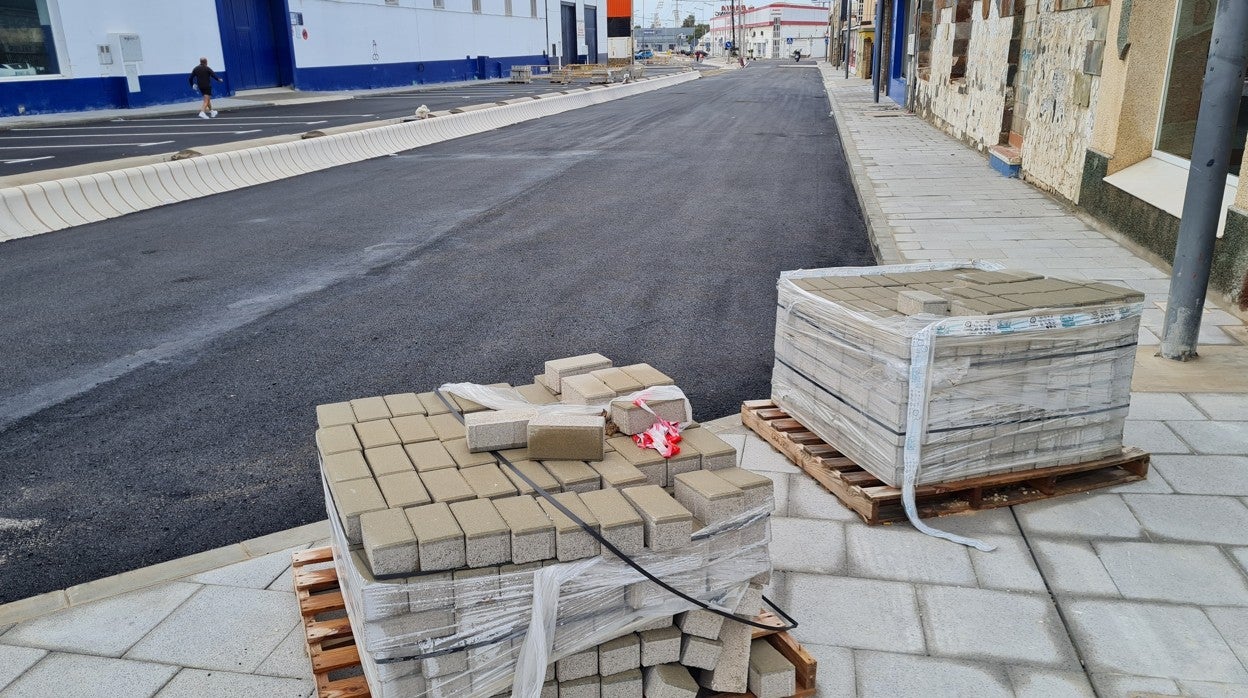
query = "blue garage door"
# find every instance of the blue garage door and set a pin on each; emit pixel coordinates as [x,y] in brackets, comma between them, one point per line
[253,47]
[591,33]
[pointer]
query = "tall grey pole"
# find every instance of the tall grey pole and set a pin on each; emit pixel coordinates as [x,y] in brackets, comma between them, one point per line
[845,44]
[1206,179]
[876,52]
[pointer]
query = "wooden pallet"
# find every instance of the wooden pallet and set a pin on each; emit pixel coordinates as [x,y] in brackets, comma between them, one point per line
[329,641]
[803,663]
[877,502]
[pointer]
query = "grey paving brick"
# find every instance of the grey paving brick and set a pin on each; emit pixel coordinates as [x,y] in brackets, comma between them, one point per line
[1154,437]
[1081,516]
[983,523]
[1180,573]
[107,627]
[1191,517]
[1162,406]
[226,628]
[1072,567]
[1123,685]
[1155,483]
[85,676]
[1041,683]
[906,555]
[758,455]
[807,545]
[1232,623]
[888,675]
[1222,406]
[195,683]
[1210,689]
[256,573]
[835,676]
[808,500]
[1149,639]
[14,661]
[1010,567]
[884,615]
[966,623]
[1214,437]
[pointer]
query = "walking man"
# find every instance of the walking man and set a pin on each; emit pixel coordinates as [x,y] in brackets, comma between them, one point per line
[201,79]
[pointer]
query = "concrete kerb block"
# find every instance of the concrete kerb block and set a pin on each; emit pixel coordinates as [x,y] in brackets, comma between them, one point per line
[100,194]
[123,184]
[259,161]
[21,220]
[187,186]
[669,681]
[201,168]
[699,652]
[771,675]
[226,169]
[59,204]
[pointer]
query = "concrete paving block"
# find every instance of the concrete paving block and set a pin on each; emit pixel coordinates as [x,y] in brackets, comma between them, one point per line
[537,394]
[617,472]
[688,460]
[447,426]
[700,623]
[1191,517]
[771,675]
[716,453]
[532,533]
[647,375]
[808,545]
[759,490]
[370,408]
[404,404]
[447,485]
[450,686]
[1038,683]
[571,541]
[495,430]
[1010,567]
[1218,437]
[586,687]
[619,523]
[439,537]
[1084,516]
[487,538]
[348,465]
[712,499]
[449,664]
[534,472]
[669,526]
[558,369]
[577,666]
[647,460]
[377,433]
[431,591]
[334,414]
[1072,567]
[619,655]
[388,460]
[1177,573]
[699,652]
[413,428]
[389,544]
[14,661]
[353,498]
[566,437]
[617,380]
[1037,636]
[474,587]
[584,390]
[464,458]
[883,674]
[194,683]
[433,404]
[427,456]
[337,439]
[669,681]
[488,481]
[626,684]
[631,418]
[573,475]
[906,555]
[80,676]
[1182,643]
[885,615]
[660,646]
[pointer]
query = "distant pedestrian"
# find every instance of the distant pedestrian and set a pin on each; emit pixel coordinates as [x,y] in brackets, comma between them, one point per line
[201,79]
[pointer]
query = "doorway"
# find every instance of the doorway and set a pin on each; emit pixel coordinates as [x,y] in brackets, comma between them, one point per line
[591,34]
[900,67]
[567,15]
[256,42]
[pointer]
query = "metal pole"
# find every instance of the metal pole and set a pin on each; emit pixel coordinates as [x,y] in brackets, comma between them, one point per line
[845,41]
[876,52]
[1206,179]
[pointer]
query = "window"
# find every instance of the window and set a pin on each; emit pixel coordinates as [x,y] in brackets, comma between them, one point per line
[26,45]
[532,8]
[507,7]
[1188,58]
[476,6]
[439,4]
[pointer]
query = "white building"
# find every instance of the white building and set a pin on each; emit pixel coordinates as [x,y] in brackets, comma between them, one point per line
[71,55]
[771,31]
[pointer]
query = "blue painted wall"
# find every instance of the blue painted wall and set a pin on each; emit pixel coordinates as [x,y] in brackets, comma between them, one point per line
[371,75]
[900,34]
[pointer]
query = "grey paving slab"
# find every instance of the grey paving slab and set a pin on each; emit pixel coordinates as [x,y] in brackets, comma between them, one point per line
[758,455]
[226,628]
[1199,518]
[966,623]
[1010,567]
[85,676]
[284,582]
[779,490]
[1072,567]
[979,524]
[873,614]
[835,674]
[890,675]
[1080,516]
[1153,436]
[15,660]
[737,441]
[904,554]
[1151,639]
[808,500]
[1210,689]
[197,683]
[1214,436]
[1222,406]
[1123,686]
[1240,555]
[1205,474]
[1155,483]
[256,573]
[107,627]
[1179,573]
[1232,623]
[1041,683]
[1162,406]
[290,659]
[807,545]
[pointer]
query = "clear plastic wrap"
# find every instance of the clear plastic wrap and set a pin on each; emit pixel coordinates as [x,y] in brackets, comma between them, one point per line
[925,398]
[499,398]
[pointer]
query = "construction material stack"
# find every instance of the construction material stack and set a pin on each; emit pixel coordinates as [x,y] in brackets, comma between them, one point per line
[462,524]
[963,369]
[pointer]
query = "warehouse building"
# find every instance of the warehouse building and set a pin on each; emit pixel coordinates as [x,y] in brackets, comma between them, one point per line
[775,30]
[73,55]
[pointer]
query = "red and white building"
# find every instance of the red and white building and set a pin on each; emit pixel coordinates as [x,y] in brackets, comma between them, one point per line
[771,31]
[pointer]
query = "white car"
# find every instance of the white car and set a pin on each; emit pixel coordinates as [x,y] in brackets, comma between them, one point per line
[8,70]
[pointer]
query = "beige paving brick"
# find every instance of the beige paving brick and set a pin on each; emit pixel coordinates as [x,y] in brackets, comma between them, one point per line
[647,460]
[370,408]
[488,481]
[495,430]
[566,437]
[388,459]
[353,498]
[617,380]
[557,369]
[532,532]
[669,681]
[403,489]
[711,498]
[758,489]
[573,475]
[534,472]
[377,433]
[647,375]
[334,414]
[660,645]
[771,675]
[537,394]
[585,390]
[447,485]
[427,456]
[439,537]
[389,544]
[619,523]
[336,439]
[403,404]
[617,472]
[447,426]
[716,453]
[631,418]
[347,465]
[571,541]
[433,404]
[413,428]
[458,448]
[487,538]
[669,525]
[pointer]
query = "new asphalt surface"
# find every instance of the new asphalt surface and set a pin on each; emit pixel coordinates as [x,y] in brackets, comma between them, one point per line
[157,397]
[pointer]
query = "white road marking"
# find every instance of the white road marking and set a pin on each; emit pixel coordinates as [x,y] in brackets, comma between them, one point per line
[116,135]
[18,161]
[230,125]
[248,118]
[20,524]
[83,145]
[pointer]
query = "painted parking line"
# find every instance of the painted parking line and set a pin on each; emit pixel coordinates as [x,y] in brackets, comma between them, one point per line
[134,135]
[112,127]
[18,161]
[85,145]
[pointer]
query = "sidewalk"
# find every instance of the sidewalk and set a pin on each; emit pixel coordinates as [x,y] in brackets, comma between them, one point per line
[1138,589]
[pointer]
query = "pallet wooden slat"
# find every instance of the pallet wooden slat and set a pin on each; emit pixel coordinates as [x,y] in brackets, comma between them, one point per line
[330,642]
[876,502]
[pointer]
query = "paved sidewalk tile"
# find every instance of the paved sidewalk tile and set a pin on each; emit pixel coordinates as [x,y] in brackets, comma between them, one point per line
[15,660]
[972,623]
[1010,567]
[758,455]
[1232,623]
[1191,517]
[290,659]
[1205,474]
[1042,683]
[1162,407]
[835,675]
[226,628]
[807,545]
[859,613]
[1114,685]
[198,683]
[1222,406]
[1080,516]
[1153,436]
[1150,639]
[904,554]
[83,676]
[1072,567]
[1180,573]
[888,675]
[107,627]
[808,500]
[256,573]
[1214,437]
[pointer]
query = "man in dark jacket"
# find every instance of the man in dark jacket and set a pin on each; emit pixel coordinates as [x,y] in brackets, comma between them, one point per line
[201,79]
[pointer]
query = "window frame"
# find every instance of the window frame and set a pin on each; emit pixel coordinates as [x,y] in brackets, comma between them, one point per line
[58,50]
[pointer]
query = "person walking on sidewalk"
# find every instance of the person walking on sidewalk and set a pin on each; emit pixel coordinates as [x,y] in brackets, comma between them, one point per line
[201,79]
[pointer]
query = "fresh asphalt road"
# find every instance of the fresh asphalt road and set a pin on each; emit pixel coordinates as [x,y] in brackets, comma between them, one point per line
[34,148]
[161,369]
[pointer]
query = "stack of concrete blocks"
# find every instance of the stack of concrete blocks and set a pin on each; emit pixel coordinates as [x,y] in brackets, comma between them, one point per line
[441,544]
[998,399]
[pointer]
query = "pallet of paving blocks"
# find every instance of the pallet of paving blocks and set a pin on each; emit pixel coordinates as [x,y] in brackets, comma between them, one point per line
[488,537]
[956,370]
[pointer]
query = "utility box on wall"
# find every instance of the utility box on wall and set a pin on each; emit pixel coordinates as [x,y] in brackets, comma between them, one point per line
[130,48]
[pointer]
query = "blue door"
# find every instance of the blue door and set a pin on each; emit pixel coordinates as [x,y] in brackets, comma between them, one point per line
[255,40]
[591,33]
[568,26]
[899,67]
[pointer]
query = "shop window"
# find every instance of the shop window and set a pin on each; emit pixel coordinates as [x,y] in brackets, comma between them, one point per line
[1188,58]
[26,45]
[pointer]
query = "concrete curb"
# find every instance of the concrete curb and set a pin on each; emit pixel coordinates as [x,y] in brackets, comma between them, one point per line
[43,207]
[883,243]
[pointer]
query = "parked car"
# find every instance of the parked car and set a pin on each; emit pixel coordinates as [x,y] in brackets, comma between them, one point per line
[644,54]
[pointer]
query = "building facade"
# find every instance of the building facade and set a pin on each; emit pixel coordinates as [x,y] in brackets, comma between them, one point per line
[1092,100]
[663,38]
[771,31]
[71,55]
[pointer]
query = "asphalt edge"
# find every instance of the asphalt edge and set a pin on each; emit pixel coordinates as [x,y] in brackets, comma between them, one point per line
[44,207]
